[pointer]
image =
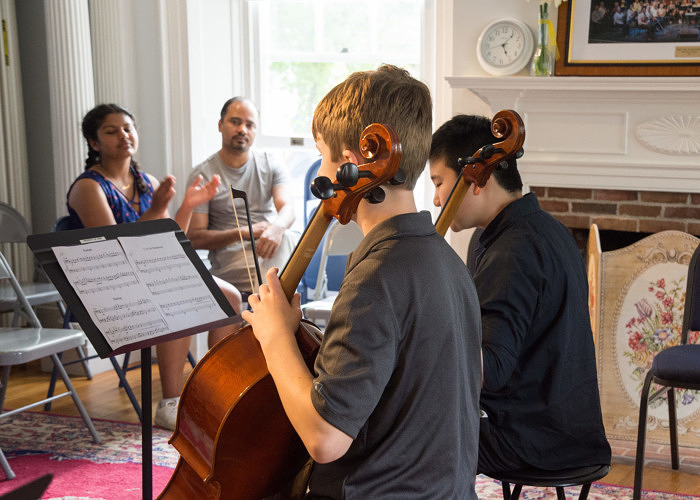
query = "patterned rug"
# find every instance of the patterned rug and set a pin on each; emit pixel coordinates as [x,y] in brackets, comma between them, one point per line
[39,443]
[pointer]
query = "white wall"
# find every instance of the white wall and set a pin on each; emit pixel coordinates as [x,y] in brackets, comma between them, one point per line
[470,18]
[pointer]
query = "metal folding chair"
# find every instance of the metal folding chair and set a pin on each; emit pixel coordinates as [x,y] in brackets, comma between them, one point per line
[19,345]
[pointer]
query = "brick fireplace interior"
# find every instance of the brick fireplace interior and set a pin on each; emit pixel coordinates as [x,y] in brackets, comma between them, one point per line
[623,217]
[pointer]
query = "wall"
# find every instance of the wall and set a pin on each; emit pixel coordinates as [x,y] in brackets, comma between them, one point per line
[469,19]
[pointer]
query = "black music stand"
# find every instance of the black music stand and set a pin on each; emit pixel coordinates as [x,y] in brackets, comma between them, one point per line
[42,245]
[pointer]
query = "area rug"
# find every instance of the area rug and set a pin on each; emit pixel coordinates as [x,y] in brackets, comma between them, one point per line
[37,443]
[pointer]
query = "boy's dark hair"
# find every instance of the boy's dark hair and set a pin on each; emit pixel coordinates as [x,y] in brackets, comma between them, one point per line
[462,136]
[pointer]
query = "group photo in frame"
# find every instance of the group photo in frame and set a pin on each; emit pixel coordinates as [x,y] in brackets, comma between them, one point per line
[628,38]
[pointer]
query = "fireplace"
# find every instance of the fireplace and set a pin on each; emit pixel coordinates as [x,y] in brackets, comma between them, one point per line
[623,217]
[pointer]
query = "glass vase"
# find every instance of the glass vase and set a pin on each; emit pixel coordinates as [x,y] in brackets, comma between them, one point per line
[545,51]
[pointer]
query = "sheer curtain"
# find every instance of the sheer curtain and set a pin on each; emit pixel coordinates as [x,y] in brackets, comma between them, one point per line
[14,175]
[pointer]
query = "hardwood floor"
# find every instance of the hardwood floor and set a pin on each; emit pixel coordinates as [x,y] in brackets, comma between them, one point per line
[104,400]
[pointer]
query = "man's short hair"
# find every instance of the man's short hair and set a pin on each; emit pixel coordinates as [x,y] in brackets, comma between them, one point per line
[224,108]
[464,135]
[388,95]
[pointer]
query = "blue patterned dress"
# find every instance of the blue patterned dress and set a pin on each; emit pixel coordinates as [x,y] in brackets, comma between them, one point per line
[122,210]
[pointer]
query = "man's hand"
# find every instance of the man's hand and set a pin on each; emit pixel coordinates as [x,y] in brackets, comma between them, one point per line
[197,193]
[273,318]
[269,241]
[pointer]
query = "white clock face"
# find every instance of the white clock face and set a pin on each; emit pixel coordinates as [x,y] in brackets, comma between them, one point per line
[505,47]
[502,44]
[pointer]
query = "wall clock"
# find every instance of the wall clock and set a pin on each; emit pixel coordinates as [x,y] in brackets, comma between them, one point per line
[505,47]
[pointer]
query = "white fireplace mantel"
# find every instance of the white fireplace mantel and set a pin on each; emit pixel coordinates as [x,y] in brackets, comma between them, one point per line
[637,133]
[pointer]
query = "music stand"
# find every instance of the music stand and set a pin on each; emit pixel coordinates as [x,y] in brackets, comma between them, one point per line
[42,246]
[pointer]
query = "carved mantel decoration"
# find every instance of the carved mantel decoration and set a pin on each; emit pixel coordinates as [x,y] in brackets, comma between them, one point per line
[634,133]
[672,134]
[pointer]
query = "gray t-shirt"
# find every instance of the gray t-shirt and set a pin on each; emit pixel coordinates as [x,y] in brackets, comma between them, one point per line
[257,178]
[399,369]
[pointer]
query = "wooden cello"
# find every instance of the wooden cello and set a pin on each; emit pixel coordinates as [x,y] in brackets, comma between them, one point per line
[234,438]
[506,125]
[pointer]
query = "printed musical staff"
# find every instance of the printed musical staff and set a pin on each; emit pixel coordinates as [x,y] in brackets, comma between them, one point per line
[134,286]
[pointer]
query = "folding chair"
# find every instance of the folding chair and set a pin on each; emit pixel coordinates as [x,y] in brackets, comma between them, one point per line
[19,345]
[14,230]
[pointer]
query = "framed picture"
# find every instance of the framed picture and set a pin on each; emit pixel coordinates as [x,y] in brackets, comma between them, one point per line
[628,38]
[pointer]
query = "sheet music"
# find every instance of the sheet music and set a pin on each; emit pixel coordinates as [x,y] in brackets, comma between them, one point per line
[138,287]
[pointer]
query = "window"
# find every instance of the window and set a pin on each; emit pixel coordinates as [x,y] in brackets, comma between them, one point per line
[305,47]
[300,49]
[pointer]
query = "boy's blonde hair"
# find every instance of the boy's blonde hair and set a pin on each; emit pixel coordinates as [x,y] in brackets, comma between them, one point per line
[390,96]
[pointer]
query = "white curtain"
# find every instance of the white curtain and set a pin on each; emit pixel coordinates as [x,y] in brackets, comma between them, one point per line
[14,175]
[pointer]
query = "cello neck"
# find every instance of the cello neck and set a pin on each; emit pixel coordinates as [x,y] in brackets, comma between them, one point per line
[301,256]
[442,224]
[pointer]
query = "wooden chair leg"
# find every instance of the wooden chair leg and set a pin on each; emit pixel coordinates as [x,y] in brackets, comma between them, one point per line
[673,427]
[641,437]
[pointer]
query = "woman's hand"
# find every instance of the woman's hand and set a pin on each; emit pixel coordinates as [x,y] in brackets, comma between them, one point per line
[161,198]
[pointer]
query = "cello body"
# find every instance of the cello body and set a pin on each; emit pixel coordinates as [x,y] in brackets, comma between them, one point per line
[232,426]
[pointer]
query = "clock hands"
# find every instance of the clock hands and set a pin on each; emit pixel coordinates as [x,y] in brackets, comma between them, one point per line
[503,45]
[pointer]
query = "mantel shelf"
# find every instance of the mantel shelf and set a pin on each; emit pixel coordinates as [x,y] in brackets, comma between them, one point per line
[577,83]
[602,132]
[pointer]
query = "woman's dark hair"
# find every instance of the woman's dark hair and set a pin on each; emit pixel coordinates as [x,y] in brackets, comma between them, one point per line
[92,122]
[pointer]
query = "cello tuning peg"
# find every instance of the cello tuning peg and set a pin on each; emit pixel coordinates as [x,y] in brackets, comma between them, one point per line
[322,188]
[469,160]
[347,174]
[399,178]
[520,153]
[375,195]
[487,151]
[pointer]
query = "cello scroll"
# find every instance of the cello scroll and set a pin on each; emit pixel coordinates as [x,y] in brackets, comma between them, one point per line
[506,125]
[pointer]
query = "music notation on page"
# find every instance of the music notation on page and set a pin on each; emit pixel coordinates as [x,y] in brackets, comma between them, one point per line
[138,287]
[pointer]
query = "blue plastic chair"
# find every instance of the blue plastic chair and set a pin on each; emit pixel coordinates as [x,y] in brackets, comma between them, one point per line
[335,265]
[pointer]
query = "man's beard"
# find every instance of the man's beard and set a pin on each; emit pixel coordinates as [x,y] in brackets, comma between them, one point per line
[239,145]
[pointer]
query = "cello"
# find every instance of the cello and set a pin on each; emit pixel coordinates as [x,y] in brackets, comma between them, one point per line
[232,433]
[507,125]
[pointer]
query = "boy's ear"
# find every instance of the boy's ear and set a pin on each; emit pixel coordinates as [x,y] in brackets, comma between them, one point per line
[351,156]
